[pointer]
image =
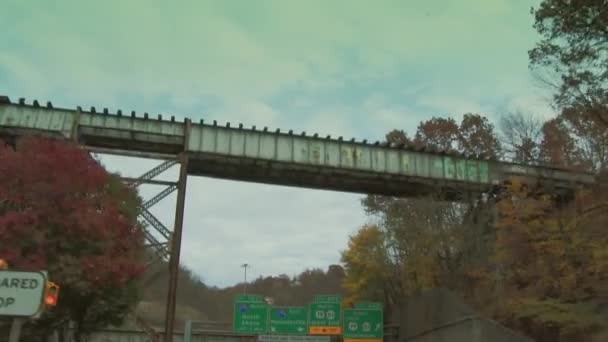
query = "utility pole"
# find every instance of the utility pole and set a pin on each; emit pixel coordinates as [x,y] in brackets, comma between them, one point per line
[245,285]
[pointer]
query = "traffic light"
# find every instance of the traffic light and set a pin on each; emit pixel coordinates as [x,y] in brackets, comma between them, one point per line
[51,294]
[3,264]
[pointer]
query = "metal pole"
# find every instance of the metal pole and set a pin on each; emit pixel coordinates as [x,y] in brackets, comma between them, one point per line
[245,282]
[188,331]
[15,333]
[175,248]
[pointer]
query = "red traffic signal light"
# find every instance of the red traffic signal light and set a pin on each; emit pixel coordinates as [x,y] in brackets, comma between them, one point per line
[50,300]
[51,294]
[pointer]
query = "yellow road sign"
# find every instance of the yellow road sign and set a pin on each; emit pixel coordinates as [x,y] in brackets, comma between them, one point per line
[325,330]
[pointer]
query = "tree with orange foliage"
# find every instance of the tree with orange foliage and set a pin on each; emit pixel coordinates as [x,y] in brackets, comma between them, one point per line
[551,264]
[421,242]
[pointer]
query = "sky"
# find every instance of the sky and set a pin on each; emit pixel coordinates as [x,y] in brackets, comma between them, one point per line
[352,68]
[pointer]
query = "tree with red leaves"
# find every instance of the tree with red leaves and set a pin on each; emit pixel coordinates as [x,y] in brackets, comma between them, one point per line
[62,212]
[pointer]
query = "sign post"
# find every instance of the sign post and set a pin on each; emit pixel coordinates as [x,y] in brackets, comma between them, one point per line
[15,332]
[290,320]
[364,323]
[325,315]
[250,315]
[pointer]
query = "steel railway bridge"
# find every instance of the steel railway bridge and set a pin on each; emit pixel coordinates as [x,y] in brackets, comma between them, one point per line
[261,155]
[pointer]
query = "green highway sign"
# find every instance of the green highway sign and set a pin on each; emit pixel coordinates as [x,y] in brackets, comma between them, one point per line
[365,321]
[327,299]
[368,305]
[324,316]
[289,320]
[250,315]
[249,298]
[21,293]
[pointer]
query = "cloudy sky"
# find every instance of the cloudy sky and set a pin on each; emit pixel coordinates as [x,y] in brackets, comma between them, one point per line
[353,68]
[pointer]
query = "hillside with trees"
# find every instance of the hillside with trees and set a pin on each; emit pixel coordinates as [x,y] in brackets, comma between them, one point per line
[202,302]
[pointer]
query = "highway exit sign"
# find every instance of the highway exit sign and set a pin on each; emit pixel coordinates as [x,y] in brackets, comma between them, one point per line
[364,322]
[21,293]
[327,299]
[291,320]
[324,315]
[250,315]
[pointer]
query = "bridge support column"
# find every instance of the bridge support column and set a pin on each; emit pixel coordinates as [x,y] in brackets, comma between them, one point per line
[176,243]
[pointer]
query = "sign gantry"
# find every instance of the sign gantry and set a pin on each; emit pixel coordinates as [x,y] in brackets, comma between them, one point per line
[324,318]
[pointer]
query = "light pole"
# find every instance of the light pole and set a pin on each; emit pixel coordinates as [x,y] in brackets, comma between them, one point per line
[245,285]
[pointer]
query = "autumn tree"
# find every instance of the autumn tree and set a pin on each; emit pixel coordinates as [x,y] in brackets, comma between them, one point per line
[398,137]
[473,136]
[574,50]
[572,56]
[476,136]
[370,274]
[551,263]
[559,148]
[527,139]
[60,211]
[521,136]
[437,134]
[423,242]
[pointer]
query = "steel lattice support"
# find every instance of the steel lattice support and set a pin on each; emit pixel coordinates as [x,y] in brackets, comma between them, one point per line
[162,249]
[169,249]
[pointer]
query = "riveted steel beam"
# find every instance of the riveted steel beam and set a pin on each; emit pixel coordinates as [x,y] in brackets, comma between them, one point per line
[154,172]
[149,181]
[155,223]
[160,247]
[158,197]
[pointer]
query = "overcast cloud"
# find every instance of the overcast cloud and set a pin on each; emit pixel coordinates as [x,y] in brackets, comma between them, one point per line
[351,68]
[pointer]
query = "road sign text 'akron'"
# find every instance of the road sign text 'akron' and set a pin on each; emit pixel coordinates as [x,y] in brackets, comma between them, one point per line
[250,315]
[21,293]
